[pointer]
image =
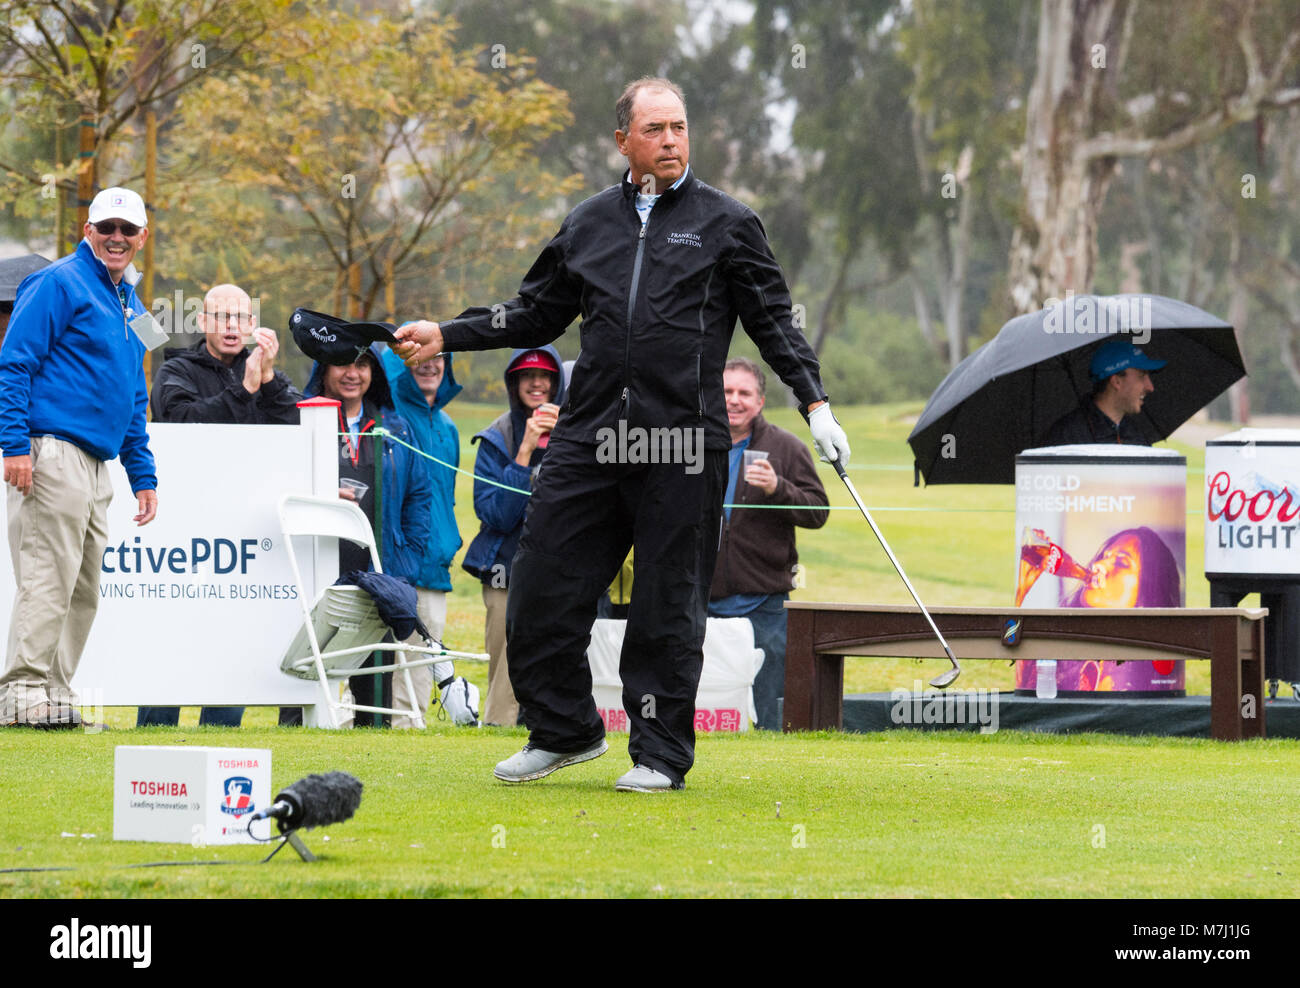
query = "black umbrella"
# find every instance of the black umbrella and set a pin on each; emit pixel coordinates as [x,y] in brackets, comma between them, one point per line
[1006,395]
[14,270]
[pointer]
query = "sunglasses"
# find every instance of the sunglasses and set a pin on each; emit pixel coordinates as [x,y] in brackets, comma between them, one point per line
[107,228]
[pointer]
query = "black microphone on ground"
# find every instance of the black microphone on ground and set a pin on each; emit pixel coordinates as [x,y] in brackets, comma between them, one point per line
[316,801]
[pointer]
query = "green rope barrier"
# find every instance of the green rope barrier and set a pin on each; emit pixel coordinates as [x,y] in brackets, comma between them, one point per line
[381,431]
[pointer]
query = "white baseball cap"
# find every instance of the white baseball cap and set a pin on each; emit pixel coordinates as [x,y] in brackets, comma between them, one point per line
[118,204]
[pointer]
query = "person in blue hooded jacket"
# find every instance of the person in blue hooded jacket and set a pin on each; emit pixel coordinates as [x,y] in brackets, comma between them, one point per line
[510,450]
[421,395]
[396,499]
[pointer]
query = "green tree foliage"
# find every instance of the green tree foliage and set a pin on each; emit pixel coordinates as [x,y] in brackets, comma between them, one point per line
[588,48]
[592,48]
[834,60]
[374,143]
[896,149]
[967,95]
[904,119]
[62,60]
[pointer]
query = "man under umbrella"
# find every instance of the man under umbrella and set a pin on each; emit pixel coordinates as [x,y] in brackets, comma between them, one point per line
[1121,380]
[1009,394]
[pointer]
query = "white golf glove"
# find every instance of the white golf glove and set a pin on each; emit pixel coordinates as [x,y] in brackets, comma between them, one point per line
[828,436]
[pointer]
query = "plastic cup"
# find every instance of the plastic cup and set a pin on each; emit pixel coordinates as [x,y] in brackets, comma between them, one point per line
[357,487]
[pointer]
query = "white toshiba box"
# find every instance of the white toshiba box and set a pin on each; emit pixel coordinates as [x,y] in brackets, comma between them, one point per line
[188,795]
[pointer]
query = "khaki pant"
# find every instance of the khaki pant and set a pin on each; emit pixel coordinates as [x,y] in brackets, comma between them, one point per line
[500,708]
[57,535]
[431,606]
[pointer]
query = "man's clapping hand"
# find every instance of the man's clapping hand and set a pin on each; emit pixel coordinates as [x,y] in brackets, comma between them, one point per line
[259,368]
[268,344]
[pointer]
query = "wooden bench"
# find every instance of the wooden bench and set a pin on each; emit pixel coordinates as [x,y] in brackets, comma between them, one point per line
[820,635]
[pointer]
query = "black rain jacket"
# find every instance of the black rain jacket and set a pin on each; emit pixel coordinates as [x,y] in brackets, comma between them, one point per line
[658,308]
[1089,424]
[194,386]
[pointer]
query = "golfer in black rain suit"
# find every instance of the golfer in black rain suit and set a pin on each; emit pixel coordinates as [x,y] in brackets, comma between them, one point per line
[659,283]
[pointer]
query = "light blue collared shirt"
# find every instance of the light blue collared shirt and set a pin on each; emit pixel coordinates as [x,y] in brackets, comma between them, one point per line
[645,203]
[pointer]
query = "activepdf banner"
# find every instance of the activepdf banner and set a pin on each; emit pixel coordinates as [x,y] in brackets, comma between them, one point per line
[1252,503]
[197,606]
[1102,526]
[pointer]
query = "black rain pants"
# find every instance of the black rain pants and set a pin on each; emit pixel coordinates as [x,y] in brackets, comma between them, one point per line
[582,518]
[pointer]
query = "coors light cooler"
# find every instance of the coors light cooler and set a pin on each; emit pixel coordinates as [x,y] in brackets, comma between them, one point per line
[1252,536]
[1102,526]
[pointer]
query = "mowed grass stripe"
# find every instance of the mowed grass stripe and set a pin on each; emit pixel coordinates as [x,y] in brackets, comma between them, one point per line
[901,814]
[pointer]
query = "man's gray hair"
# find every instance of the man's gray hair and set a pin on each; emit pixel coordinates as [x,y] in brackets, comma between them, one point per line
[623,108]
[744,363]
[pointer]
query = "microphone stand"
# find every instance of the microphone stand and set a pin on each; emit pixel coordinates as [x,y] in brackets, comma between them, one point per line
[315,801]
[291,838]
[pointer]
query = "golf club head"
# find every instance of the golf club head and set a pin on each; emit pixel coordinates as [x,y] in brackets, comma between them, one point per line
[945,678]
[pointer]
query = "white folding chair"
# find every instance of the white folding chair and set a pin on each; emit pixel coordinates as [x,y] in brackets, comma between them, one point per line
[343,626]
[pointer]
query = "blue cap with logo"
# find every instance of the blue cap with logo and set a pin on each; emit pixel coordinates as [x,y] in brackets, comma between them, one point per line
[1117,356]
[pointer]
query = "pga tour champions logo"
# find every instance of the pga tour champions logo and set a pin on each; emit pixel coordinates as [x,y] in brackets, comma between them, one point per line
[238,799]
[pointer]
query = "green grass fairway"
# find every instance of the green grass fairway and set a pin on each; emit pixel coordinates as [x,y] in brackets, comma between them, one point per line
[900,814]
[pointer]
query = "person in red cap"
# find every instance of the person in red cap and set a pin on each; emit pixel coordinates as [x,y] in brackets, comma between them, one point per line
[510,450]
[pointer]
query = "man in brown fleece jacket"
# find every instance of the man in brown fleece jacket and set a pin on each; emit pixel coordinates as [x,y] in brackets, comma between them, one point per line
[757,562]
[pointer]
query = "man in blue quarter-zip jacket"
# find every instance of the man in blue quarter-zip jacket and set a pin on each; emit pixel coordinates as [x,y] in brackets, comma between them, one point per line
[659,267]
[72,397]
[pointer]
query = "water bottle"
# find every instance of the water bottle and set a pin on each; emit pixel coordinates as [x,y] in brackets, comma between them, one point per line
[1046,687]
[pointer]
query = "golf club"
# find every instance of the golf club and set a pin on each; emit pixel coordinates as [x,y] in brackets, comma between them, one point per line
[944,678]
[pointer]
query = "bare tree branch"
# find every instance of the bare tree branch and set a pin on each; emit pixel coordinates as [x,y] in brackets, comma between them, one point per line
[50,43]
[1246,42]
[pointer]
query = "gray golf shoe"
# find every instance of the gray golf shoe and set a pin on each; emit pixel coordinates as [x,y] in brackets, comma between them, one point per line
[642,778]
[534,763]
